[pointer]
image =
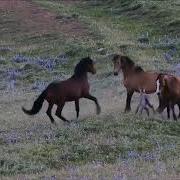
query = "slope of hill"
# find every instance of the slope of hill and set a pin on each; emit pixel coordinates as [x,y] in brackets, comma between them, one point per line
[42,40]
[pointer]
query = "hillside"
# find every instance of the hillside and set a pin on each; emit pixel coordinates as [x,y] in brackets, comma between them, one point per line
[42,40]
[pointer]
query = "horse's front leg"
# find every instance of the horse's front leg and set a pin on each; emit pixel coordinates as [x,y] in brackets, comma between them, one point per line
[128,101]
[59,111]
[90,97]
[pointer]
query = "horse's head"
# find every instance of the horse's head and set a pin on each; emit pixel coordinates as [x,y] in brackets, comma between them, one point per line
[162,92]
[161,84]
[121,62]
[90,64]
[117,64]
[85,65]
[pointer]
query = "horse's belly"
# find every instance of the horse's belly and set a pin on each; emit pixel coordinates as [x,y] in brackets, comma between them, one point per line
[71,98]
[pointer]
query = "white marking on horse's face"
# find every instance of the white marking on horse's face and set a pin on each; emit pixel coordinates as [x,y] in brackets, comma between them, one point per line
[158,87]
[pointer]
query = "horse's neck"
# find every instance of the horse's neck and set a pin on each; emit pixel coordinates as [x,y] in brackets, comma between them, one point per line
[127,72]
[82,77]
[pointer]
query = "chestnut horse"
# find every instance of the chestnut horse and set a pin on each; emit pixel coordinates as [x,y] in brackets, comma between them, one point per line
[135,77]
[169,93]
[72,89]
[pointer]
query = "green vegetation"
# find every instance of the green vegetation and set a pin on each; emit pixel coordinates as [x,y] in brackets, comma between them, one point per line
[112,144]
[107,140]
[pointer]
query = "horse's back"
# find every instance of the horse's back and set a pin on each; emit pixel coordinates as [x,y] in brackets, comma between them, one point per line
[147,81]
[67,90]
[150,81]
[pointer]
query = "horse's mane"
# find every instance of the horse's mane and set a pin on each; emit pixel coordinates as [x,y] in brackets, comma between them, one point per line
[125,60]
[81,67]
[128,61]
[138,69]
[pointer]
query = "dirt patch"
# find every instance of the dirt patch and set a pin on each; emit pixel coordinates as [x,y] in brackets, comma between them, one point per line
[33,18]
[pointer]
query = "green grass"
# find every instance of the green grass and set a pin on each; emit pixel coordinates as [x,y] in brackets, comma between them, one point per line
[104,140]
[96,146]
[118,24]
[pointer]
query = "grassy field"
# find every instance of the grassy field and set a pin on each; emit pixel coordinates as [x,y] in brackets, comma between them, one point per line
[112,145]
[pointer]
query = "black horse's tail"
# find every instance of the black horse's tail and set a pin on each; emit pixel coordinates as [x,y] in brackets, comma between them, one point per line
[37,104]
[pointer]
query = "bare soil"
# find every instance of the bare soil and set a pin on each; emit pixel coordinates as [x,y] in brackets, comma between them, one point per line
[39,20]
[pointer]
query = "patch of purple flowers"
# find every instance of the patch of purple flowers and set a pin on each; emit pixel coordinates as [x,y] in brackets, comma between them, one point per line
[12,138]
[49,137]
[46,62]
[28,134]
[21,59]
[5,49]
[147,156]
[120,177]
[169,56]
[166,41]
[12,75]
[62,59]
[40,85]
[133,155]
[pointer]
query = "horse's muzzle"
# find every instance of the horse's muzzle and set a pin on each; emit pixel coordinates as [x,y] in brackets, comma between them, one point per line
[115,73]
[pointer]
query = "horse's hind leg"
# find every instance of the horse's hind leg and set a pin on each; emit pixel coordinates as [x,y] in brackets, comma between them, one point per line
[168,111]
[77,108]
[59,111]
[128,101]
[48,112]
[90,97]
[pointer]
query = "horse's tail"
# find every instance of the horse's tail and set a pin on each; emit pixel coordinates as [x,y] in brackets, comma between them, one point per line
[37,104]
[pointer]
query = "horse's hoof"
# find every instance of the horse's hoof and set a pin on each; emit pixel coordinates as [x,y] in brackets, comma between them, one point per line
[67,121]
[54,123]
[127,110]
